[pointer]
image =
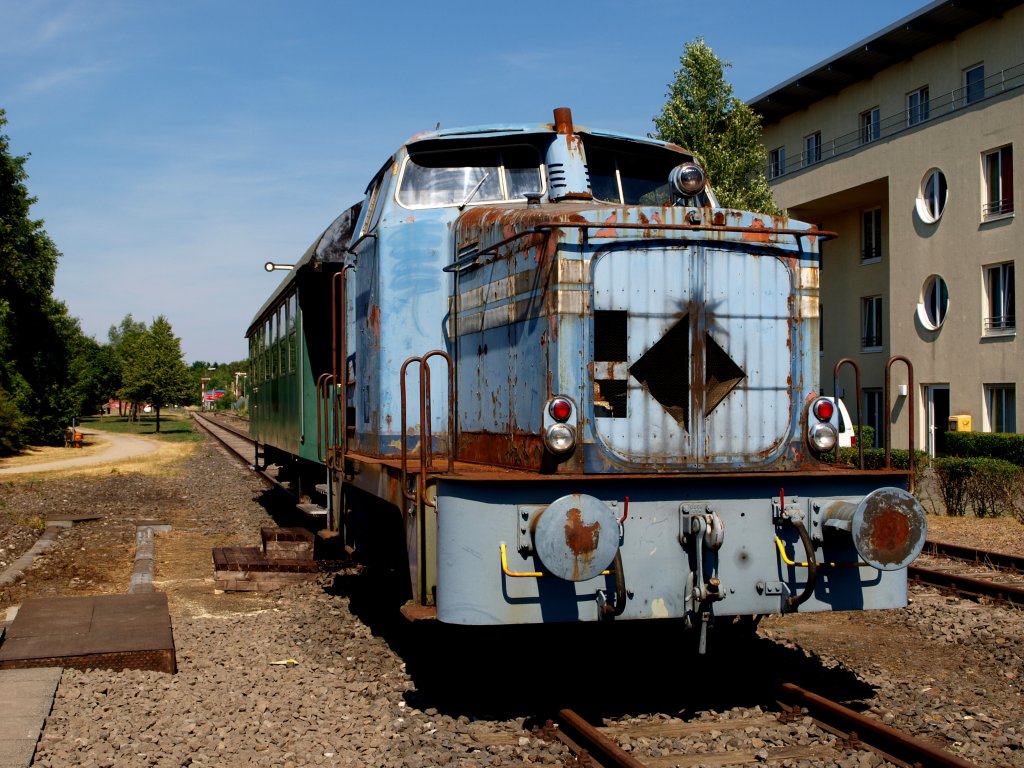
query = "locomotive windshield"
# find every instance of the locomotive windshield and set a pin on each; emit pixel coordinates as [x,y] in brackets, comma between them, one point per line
[444,178]
[637,176]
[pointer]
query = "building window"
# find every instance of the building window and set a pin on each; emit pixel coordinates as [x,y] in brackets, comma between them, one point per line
[917,106]
[974,84]
[1001,407]
[871,235]
[873,416]
[931,311]
[812,148]
[1000,305]
[931,199]
[871,323]
[998,167]
[870,126]
[776,162]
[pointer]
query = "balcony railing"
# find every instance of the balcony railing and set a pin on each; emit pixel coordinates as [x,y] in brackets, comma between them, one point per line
[871,252]
[870,342]
[911,117]
[1000,323]
[997,207]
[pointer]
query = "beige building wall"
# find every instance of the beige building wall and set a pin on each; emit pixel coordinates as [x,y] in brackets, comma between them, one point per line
[889,173]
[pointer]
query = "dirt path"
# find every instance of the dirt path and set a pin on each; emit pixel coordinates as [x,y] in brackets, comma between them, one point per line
[108,448]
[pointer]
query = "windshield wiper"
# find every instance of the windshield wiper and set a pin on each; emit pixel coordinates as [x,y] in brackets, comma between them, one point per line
[474,190]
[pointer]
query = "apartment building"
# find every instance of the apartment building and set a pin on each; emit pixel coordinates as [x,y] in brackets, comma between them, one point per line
[904,145]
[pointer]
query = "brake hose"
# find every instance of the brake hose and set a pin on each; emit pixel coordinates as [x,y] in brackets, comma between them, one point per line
[812,568]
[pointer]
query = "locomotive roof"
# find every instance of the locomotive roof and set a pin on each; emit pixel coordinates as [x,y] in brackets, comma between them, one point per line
[524,129]
[330,245]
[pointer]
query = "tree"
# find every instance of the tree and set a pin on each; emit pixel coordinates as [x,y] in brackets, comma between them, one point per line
[122,338]
[154,370]
[36,332]
[702,116]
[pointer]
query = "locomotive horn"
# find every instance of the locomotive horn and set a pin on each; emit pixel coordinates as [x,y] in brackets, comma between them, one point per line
[888,526]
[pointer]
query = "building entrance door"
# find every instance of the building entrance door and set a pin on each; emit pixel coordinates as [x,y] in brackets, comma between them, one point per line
[936,397]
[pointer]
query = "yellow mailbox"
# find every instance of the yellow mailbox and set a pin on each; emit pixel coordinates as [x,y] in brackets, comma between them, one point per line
[961,422]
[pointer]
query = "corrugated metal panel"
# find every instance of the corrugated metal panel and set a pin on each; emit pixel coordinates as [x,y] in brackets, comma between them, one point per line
[708,354]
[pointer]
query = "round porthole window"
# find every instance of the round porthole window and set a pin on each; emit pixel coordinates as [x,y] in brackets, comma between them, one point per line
[931,199]
[934,303]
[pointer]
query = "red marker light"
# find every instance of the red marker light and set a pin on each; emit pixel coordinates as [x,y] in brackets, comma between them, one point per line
[560,409]
[823,409]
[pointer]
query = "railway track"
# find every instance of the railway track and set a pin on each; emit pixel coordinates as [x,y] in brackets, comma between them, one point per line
[971,573]
[805,726]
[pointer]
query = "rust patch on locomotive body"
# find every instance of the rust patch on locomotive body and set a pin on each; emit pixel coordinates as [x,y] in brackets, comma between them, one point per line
[609,231]
[757,237]
[373,319]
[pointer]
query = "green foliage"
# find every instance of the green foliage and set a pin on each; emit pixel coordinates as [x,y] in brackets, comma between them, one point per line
[993,487]
[153,370]
[866,436]
[10,425]
[702,116]
[37,336]
[989,486]
[954,477]
[996,445]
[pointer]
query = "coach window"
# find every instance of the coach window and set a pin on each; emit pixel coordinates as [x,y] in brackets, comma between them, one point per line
[279,341]
[290,310]
[267,341]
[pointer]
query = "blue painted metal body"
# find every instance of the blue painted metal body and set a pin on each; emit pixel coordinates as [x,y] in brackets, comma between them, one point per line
[549,262]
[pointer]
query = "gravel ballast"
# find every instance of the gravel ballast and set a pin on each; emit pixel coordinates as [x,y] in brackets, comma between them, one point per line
[314,674]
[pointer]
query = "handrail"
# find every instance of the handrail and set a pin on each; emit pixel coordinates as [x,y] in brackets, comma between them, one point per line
[543,227]
[912,462]
[321,417]
[426,437]
[339,363]
[835,394]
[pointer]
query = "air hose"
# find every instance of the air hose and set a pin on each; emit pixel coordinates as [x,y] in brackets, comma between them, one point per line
[812,568]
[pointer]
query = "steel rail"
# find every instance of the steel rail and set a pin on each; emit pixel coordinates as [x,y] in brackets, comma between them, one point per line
[587,742]
[875,735]
[970,554]
[965,586]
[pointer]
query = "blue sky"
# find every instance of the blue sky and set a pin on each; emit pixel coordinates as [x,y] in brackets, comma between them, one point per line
[177,146]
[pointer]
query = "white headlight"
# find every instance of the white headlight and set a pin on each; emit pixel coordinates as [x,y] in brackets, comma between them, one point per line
[687,179]
[560,438]
[823,436]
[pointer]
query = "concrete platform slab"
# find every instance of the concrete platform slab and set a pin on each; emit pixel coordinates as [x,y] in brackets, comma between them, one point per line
[130,631]
[26,697]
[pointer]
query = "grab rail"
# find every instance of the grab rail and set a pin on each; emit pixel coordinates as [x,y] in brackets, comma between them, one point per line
[426,437]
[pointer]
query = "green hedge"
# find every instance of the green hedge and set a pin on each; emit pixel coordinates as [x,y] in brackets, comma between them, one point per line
[874,458]
[995,445]
[988,485]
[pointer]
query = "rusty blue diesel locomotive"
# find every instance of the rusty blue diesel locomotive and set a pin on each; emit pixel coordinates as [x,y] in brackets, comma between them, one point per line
[539,375]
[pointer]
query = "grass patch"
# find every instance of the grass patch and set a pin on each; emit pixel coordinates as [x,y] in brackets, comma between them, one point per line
[175,425]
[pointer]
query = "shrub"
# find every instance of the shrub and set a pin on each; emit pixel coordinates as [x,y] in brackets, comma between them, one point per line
[993,486]
[996,445]
[954,478]
[866,436]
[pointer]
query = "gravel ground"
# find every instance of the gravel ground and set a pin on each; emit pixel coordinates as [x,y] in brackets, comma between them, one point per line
[365,690]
